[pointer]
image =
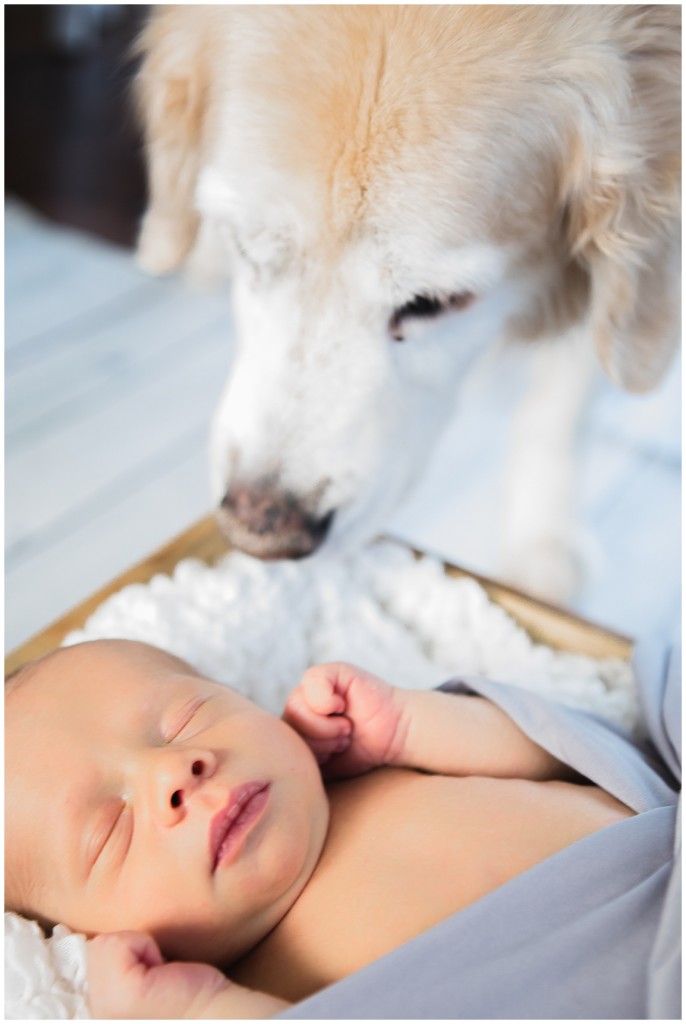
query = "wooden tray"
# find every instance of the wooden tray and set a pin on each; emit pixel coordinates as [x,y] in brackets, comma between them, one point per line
[543,622]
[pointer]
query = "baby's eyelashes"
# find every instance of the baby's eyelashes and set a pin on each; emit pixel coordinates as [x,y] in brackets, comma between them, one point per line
[177,728]
[106,829]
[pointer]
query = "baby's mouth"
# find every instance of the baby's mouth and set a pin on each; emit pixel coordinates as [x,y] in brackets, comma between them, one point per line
[232,823]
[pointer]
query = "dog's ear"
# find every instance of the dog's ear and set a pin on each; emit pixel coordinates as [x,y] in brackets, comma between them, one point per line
[170,94]
[621,190]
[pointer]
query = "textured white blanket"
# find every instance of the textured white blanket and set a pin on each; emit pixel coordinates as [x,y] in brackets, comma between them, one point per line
[258,626]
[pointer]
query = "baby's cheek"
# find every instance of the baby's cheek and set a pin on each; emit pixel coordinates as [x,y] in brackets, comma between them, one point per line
[297,750]
[283,754]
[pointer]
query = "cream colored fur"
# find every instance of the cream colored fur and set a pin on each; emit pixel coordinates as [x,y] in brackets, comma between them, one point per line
[338,161]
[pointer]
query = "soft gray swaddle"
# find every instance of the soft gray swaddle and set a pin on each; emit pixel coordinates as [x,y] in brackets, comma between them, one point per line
[592,932]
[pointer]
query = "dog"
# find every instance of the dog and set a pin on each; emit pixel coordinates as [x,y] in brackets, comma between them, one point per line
[390,189]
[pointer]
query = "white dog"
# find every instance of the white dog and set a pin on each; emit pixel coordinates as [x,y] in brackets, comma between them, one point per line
[391,188]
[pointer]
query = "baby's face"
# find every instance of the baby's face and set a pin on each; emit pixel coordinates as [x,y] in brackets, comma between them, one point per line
[123,771]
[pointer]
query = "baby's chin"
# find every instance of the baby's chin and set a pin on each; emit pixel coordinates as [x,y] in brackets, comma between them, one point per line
[224,944]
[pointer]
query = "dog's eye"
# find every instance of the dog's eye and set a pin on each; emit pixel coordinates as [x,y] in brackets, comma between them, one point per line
[426,307]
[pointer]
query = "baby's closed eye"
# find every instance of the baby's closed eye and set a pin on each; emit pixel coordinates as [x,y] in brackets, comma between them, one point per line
[112,834]
[177,726]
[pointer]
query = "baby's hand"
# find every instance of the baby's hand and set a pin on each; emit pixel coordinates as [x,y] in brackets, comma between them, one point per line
[128,977]
[353,721]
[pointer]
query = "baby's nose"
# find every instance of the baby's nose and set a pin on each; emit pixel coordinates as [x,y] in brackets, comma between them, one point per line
[177,776]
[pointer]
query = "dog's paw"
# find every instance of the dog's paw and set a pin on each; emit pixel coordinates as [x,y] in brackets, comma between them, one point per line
[163,244]
[548,568]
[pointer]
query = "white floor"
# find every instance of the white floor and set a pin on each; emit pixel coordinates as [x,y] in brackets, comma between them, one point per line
[111,378]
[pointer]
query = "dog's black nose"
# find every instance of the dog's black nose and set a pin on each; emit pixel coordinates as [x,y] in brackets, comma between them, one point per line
[270,524]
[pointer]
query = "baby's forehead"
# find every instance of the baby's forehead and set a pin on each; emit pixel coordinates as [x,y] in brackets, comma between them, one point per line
[99,653]
[134,653]
[89,671]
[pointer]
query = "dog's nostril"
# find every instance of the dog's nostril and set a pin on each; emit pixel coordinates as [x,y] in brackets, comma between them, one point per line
[271,524]
[264,510]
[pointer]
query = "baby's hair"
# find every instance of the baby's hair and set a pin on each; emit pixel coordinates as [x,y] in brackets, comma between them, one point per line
[24,910]
[19,675]
[14,678]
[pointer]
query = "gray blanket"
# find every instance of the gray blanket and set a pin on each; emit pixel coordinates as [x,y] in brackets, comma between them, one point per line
[591,933]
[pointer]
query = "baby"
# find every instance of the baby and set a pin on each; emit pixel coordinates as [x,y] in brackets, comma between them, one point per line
[186,827]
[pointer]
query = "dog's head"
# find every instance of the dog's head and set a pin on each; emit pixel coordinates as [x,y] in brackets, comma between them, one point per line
[391,189]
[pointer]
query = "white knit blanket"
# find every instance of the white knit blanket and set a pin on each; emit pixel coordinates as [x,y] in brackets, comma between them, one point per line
[258,626]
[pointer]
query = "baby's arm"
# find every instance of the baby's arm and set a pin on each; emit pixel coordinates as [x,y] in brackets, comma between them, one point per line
[128,978]
[457,734]
[354,721]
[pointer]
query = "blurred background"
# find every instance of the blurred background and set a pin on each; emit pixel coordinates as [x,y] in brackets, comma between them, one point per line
[111,377]
[72,149]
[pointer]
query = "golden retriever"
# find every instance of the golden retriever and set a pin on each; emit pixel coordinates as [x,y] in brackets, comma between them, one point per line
[391,188]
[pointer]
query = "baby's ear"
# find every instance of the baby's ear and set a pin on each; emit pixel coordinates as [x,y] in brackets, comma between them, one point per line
[621,191]
[170,92]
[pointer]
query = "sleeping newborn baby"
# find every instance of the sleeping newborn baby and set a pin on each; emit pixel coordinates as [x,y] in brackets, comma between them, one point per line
[194,829]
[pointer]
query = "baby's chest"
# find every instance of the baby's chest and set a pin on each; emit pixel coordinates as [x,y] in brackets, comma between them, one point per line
[407,850]
[404,852]
[410,850]
[385,875]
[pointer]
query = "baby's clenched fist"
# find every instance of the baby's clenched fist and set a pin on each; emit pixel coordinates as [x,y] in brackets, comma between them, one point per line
[352,720]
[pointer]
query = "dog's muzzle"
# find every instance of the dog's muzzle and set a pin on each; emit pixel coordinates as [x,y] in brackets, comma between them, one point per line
[269,524]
